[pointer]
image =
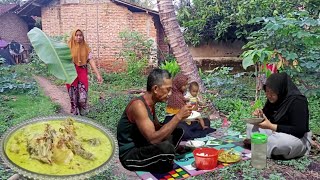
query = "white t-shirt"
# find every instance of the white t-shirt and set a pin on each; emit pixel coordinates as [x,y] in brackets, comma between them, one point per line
[193,99]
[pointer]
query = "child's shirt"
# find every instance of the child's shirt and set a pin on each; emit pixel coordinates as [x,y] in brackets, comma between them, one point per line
[192,99]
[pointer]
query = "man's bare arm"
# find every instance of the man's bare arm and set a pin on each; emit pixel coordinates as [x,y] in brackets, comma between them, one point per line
[147,128]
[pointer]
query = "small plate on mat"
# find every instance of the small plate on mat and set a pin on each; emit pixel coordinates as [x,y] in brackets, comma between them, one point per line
[229,156]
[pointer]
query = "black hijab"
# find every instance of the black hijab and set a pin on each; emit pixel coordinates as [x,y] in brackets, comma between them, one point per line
[287,92]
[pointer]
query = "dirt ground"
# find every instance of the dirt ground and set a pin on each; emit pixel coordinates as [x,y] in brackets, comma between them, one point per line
[60,96]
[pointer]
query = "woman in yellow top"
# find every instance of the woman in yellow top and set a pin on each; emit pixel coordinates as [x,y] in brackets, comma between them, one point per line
[81,56]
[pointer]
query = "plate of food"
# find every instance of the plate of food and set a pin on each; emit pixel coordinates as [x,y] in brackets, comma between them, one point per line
[229,156]
[254,120]
[194,115]
[58,147]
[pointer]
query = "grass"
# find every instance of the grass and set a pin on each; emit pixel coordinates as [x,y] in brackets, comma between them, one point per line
[18,108]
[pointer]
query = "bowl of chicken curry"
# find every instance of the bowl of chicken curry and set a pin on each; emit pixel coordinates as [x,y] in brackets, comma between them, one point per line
[58,147]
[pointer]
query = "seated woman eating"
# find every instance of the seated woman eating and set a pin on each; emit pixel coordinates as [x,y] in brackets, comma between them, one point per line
[176,101]
[286,119]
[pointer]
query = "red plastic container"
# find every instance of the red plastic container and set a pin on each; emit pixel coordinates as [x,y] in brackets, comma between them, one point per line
[206,162]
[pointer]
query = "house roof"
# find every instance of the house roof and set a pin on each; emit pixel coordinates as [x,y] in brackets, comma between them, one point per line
[136,8]
[7,8]
[33,7]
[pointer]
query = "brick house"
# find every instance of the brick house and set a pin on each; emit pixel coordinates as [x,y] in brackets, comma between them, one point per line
[101,21]
[12,26]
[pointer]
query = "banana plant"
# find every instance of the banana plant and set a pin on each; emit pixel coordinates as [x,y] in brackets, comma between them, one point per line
[55,54]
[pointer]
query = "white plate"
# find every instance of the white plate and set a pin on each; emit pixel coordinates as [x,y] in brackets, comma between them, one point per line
[194,115]
[253,120]
[195,143]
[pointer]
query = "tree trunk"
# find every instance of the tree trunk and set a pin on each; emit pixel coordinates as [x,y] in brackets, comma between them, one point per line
[180,49]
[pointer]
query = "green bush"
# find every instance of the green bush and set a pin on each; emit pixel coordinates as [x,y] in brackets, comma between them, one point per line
[171,66]
[17,79]
[136,50]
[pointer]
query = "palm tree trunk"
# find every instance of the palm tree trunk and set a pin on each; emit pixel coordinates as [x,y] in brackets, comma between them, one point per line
[180,49]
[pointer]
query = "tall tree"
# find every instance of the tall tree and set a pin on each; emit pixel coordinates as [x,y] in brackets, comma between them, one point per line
[180,49]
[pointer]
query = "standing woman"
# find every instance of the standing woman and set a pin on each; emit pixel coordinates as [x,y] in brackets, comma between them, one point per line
[81,56]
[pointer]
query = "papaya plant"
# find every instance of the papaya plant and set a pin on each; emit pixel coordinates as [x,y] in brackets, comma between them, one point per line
[55,54]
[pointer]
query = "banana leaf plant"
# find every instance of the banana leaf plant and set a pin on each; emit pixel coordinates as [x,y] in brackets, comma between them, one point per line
[55,54]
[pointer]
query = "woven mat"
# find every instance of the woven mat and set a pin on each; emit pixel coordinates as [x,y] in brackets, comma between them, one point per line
[184,164]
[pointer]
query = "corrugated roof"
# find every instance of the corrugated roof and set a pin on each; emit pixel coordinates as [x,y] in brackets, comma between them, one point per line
[135,8]
[7,7]
[33,7]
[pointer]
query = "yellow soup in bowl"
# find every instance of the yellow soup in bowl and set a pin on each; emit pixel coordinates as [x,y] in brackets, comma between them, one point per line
[54,148]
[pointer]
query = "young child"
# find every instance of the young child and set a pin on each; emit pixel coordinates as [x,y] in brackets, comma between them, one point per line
[193,98]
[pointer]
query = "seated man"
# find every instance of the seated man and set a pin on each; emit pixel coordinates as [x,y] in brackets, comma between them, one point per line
[145,145]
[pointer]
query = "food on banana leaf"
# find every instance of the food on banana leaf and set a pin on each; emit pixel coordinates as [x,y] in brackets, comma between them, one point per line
[229,156]
[59,147]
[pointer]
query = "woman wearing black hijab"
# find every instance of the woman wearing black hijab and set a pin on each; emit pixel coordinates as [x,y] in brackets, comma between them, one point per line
[286,119]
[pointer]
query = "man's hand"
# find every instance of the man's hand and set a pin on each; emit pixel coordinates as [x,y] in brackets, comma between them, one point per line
[184,112]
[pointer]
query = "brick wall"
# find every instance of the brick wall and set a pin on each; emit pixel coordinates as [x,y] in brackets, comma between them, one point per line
[12,27]
[101,23]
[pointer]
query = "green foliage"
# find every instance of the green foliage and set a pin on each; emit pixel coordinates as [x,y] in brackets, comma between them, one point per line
[293,40]
[225,84]
[236,110]
[18,108]
[116,82]
[22,100]
[55,54]
[251,57]
[314,104]
[299,164]
[12,80]
[209,20]
[136,50]
[171,66]
[276,176]
[38,67]
[109,111]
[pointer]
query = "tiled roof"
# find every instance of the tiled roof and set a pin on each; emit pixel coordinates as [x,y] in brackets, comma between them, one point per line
[7,7]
